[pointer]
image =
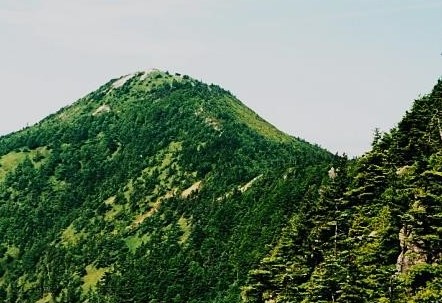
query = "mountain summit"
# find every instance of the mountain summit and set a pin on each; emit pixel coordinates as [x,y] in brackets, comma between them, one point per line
[153,188]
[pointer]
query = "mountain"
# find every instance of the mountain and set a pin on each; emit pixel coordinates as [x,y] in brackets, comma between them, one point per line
[374,234]
[153,188]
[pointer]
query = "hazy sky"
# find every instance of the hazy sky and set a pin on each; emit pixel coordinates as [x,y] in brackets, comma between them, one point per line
[329,71]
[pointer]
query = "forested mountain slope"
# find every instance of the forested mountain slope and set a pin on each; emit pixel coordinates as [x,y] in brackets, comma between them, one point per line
[154,188]
[374,233]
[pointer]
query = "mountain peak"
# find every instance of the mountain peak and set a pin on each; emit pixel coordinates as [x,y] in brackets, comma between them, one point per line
[149,185]
[173,94]
[149,75]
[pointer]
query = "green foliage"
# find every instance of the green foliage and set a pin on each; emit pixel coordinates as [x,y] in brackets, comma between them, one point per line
[374,231]
[154,188]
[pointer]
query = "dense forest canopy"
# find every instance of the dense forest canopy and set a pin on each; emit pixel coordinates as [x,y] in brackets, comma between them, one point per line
[374,232]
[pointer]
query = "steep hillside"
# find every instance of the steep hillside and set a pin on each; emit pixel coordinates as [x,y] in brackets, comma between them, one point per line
[375,232]
[154,188]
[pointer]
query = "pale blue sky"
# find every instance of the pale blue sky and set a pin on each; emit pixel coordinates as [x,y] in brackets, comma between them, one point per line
[328,71]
